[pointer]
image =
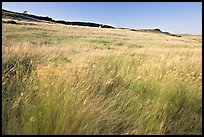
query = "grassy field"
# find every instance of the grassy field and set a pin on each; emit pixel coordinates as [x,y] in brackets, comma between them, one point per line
[59,79]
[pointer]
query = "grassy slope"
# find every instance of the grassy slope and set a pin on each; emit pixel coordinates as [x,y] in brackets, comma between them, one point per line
[61,79]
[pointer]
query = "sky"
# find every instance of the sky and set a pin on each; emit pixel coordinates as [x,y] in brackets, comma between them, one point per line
[174,17]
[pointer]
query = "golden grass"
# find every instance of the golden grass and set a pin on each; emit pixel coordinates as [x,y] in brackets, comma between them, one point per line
[60,79]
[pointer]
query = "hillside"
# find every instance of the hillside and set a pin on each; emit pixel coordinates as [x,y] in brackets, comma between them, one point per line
[62,79]
[28,17]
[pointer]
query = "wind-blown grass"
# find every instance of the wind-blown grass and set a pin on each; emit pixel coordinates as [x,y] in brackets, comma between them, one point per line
[77,80]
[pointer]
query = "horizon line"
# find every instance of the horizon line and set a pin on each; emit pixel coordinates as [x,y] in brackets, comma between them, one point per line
[118,27]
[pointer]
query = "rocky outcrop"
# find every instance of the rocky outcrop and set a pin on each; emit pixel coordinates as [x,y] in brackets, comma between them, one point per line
[156,31]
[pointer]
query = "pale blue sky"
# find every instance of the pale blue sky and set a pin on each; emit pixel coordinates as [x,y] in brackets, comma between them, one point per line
[174,17]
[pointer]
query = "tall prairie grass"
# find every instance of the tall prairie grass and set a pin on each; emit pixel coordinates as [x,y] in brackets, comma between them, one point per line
[59,79]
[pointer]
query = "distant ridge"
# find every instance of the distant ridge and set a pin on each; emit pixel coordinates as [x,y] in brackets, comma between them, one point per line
[153,30]
[29,17]
[158,31]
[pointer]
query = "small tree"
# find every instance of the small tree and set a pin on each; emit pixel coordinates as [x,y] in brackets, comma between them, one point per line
[25,12]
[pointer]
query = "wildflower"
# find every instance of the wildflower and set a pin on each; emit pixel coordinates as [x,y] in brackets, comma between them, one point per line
[138,78]
[21,94]
[109,82]
[47,93]
[86,66]
[32,119]
[16,103]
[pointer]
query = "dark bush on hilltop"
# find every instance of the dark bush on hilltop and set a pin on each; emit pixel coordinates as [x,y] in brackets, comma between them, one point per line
[30,17]
[89,24]
[11,22]
[45,18]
